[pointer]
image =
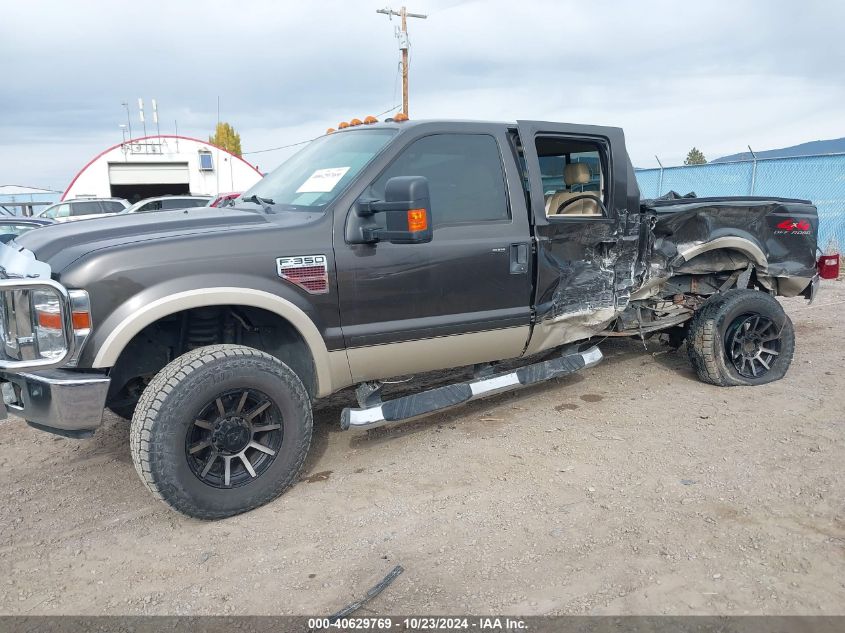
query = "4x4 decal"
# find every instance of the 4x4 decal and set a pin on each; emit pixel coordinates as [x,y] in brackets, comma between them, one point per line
[794,227]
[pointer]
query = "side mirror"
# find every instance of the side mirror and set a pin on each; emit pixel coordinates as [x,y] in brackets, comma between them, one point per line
[407,214]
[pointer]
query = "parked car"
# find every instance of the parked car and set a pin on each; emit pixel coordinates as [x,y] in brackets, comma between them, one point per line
[382,251]
[12,226]
[225,199]
[83,209]
[167,203]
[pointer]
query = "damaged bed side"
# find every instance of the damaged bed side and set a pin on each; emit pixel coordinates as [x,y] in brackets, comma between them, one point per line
[697,247]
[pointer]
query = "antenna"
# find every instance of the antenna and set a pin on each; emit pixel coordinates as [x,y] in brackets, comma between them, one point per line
[155,117]
[125,104]
[141,113]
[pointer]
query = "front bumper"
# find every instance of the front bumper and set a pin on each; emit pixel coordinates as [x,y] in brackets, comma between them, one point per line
[61,401]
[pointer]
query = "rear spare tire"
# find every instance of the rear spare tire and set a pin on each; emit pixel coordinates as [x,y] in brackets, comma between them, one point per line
[741,337]
[221,430]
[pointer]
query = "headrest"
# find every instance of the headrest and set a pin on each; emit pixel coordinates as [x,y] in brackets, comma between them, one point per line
[576,174]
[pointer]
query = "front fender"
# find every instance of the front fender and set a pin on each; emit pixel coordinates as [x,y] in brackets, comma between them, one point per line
[114,331]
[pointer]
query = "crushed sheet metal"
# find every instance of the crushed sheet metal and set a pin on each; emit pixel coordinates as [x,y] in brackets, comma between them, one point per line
[789,253]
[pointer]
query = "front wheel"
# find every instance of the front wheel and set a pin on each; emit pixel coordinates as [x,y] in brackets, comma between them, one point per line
[741,337]
[221,430]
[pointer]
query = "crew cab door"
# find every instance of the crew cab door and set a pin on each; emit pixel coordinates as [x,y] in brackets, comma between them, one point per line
[577,187]
[460,299]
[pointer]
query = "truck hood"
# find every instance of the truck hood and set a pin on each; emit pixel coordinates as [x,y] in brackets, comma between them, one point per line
[62,244]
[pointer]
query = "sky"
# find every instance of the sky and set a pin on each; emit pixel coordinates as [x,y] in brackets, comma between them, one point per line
[715,74]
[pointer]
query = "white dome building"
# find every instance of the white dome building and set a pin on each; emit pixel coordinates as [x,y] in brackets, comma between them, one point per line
[162,165]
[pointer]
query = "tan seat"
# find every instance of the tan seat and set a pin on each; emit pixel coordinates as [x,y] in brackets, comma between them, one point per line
[575,174]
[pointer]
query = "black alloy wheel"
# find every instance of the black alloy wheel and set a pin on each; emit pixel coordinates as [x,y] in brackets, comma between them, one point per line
[752,344]
[234,438]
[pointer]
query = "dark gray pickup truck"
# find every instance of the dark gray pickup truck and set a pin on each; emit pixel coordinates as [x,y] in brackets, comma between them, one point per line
[378,251]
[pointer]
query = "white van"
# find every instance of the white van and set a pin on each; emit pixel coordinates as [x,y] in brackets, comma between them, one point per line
[83,209]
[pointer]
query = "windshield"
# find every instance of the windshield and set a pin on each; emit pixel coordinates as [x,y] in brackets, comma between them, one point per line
[315,176]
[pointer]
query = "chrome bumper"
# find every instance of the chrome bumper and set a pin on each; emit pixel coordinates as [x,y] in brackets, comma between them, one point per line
[66,402]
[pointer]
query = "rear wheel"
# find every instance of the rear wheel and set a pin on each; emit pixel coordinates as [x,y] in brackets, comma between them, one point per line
[741,337]
[221,430]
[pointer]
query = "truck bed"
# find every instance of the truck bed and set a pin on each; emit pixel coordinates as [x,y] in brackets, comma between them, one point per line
[777,235]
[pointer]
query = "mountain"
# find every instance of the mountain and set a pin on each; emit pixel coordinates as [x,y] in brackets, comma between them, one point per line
[830,146]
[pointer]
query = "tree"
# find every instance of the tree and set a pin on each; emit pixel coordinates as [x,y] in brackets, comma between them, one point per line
[695,157]
[226,137]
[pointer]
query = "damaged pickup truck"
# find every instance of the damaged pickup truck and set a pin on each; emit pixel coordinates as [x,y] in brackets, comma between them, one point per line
[382,250]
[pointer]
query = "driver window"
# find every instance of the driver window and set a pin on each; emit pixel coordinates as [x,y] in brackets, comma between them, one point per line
[466,180]
[573,176]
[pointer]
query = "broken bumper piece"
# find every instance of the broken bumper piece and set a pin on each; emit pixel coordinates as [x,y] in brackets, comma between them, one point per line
[435,400]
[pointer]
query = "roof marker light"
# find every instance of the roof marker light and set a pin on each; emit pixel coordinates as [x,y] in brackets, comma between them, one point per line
[355,122]
[401,116]
[342,125]
[330,130]
[370,119]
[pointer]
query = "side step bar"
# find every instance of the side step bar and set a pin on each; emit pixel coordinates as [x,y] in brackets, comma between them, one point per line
[441,398]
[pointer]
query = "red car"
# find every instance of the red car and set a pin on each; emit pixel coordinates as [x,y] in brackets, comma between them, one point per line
[224,199]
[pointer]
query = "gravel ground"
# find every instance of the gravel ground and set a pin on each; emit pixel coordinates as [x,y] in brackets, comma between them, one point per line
[630,488]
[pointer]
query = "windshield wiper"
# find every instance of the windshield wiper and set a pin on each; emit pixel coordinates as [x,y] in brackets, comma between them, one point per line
[266,203]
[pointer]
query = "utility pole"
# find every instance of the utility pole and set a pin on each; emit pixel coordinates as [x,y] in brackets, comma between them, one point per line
[402,34]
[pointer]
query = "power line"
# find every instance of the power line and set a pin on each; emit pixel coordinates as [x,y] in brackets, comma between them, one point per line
[273,149]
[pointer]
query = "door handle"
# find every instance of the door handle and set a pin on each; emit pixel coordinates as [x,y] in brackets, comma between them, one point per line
[519,259]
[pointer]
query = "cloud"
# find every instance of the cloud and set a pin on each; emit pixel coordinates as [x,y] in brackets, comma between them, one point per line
[717,75]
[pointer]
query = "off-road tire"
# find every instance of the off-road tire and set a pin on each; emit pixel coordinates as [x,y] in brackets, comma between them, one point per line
[706,342]
[166,412]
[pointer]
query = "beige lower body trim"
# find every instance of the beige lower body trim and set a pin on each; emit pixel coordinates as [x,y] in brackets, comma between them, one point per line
[412,357]
[738,243]
[340,375]
[569,328]
[792,286]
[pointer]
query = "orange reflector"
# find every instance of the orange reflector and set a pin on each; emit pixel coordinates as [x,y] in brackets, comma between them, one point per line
[342,125]
[400,117]
[355,122]
[81,320]
[50,320]
[370,119]
[417,220]
[330,130]
[53,320]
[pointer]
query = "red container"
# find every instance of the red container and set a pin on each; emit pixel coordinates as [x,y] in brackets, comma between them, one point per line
[829,266]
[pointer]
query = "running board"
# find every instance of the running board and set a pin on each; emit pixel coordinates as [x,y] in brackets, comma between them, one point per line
[432,401]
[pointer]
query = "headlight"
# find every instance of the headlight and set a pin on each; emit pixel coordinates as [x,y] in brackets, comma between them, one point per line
[47,325]
[40,323]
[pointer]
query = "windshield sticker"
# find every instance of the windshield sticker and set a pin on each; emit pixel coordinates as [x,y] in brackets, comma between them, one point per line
[323,180]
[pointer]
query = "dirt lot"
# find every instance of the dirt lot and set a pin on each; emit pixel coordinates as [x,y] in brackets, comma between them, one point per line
[631,488]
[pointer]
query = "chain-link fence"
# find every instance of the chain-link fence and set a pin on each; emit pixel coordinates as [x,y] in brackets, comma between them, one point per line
[820,179]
